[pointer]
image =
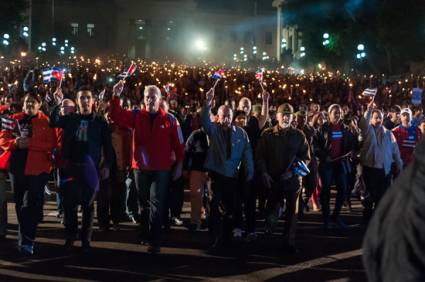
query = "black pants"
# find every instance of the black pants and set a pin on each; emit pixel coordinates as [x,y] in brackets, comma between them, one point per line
[29,196]
[77,192]
[152,189]
[176,197]
[222,207]
[245,197]
[287,191]
[376,183]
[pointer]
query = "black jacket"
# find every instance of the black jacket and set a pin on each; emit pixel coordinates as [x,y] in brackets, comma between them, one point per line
[99,136]
[196,151]
[323,141]
[394,248]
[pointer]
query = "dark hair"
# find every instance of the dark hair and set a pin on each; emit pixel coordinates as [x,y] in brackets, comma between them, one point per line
[395,109]
[239,113]
[34,96]
[85,88]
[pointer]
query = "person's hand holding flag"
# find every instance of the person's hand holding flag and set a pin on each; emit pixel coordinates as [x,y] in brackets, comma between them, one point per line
[118,88]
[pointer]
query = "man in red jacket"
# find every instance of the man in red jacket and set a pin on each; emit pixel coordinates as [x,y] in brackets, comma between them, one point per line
[407,136]
[156,135]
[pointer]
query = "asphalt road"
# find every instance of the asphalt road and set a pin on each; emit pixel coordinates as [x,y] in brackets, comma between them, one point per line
[116,255]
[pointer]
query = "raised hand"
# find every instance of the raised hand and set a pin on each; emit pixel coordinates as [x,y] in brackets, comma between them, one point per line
[118,88]
[210,96]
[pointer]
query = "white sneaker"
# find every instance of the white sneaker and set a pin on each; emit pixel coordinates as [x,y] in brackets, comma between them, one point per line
[176,221]
[237,233]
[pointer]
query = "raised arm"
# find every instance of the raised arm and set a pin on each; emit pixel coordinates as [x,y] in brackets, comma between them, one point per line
[205,114]
[264,110]
[120,116]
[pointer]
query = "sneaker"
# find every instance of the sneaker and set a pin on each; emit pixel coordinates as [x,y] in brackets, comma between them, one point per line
[115,227]
[26,249]
[237,233]
[339,223]
[154,250]
[85,247]
[176,221]
[195,227]
[252,236]
[69,244]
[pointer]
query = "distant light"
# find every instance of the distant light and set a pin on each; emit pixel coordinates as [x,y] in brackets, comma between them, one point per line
[283,40]
[25,34]
[43,44]
[54,39]
[25,28]
[242,49]
[5,42]
[62,52]
[6,36]
[39,48]
[110,79]
[54,43]
[319,66]
[363,54]
[168,28]
[44,49]
[302,48]
[140,27]
[359,56]
[62,48]
[264,53]
[200,45]
[72,48]
[325,35]
[254,47]
[302,55]
[254,52]
[23,54]
[360,47]
[66,41]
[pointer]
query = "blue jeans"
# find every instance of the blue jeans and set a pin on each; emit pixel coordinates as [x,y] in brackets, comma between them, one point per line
[332,173]
[152,189]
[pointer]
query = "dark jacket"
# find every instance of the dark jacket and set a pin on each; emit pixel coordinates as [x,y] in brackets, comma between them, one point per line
[99,136]
[278,147]
[393,248]
[196,151]
[322,143]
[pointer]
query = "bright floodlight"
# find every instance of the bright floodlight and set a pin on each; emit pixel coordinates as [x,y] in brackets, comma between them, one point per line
[360,47]
[359,56]
[325,35]
[302,48]
[5,42]
[25,34]
[363,54]
[43,44]
[54,39]
[25,28]
[6,36]
[200,45]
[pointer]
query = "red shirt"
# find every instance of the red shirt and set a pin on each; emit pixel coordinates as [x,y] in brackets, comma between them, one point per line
[407,138]
[335,149]
[153,142]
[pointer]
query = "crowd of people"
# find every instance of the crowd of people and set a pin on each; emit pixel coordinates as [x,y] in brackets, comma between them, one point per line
[241,146]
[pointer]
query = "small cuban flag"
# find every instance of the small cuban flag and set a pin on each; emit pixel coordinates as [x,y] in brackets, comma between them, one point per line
[218,74]
[129,72]
[53,74]
[259,75]
[370,92]
[417,96]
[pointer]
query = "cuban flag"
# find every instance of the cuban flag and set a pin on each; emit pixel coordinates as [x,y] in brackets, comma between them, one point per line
[370,92]
[53,74]
[9,123]
[129,72]
[218,74]
[259,75]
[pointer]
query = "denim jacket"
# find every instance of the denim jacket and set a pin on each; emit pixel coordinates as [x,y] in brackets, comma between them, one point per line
[241,152]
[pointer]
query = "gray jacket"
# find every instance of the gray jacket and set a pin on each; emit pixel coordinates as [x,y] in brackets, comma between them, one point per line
[241,152]
[379,148]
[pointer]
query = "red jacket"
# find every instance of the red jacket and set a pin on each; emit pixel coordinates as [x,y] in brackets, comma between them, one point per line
[40,145]
[407,139]
[152,145]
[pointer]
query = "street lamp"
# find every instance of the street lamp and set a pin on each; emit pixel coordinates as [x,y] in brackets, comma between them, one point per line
[302,50]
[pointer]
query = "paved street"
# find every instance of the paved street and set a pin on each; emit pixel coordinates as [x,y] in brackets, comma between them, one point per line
[116,256]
